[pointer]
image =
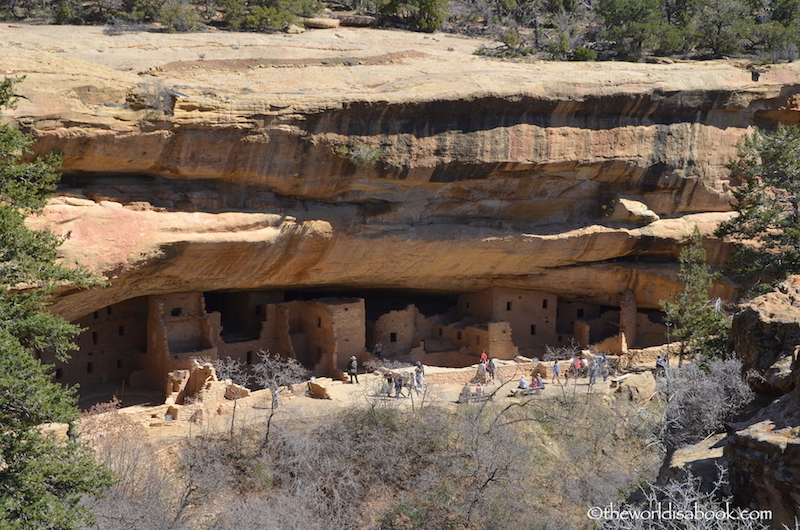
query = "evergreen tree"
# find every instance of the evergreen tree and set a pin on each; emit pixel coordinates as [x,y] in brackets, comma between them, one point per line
[632,25]
[700,324]
[42,479]
[766,229]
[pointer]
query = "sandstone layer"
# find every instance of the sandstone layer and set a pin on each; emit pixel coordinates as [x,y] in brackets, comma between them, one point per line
[224,161]
[762,453]
[766,335]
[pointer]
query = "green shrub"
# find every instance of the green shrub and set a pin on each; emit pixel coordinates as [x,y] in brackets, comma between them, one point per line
[559,48]
[419,15]
[511,39]
[583,54]
[179,17]
[358,154]
[267,15]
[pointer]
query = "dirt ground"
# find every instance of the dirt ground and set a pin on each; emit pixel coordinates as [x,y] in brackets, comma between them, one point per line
[255,408]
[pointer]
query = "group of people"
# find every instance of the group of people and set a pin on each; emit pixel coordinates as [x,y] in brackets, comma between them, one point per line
[395,382]
[537,382]
[577,367]
[467,392]
[486,368]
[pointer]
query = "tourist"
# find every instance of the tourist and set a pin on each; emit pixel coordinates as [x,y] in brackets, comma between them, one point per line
[419,373]
[409,382]
[484,357]
[378,349]
[398,386]
[523,383]
[556,372]
[482,372]
[389,383]
[352,368]
[490,367]
[466,393]
[479,390]
[661,366]
[540,381]
[593,370]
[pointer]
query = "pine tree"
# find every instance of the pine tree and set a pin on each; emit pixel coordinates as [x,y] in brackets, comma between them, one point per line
[42,479]
[766,229]
[700,324]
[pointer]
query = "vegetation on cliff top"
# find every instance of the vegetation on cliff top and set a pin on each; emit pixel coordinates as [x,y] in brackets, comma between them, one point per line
[42,480]
[558,29]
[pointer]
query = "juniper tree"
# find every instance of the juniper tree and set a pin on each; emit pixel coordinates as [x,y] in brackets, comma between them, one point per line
[42,480]
[701,325]
[766,229]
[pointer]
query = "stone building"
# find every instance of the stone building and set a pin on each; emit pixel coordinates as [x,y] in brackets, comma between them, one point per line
[532,315]
[402,330]
[145,341]
[322,334]
[111,347]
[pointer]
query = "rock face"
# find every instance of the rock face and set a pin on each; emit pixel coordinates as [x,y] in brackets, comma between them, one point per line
[763,460]
[766,335]
[340,159]
[763,453]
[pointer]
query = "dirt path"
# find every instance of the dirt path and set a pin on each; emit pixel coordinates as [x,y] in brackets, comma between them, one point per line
[256,408]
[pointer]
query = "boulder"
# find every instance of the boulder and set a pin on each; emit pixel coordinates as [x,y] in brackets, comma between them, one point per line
[359,21]
[321,23]
[633,211]
[766,334]
[636,387]
[317,391]
[294,29]
[700,460]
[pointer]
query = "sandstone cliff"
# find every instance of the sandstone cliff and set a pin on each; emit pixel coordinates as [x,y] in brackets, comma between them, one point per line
[762,452]
[225,161]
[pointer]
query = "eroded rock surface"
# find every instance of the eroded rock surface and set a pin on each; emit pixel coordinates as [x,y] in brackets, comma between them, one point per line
[766,335]
[763,452]
[244,161]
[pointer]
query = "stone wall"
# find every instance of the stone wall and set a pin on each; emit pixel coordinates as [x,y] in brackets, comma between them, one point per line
[111,347]
[627,316]
[176,320]
[349,329]
[397,330]
[531,314]
[571,312]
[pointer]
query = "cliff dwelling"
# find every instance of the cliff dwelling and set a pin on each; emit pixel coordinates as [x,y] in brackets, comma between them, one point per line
[138,343]
[499,216]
